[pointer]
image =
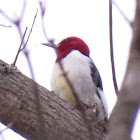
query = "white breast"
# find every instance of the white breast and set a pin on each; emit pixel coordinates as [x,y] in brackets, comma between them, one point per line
[76,65]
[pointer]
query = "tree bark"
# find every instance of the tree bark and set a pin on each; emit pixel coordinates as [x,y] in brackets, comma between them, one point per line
[124,114]
[62,120]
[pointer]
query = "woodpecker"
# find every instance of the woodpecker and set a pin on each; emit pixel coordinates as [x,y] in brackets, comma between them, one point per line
[73,53]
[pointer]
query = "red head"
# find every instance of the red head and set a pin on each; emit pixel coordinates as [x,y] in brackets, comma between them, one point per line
[69,44]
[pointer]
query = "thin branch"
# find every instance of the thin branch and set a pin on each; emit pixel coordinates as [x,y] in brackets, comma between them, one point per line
[122,13]
[43,10]
[42,7]
[18,21]
[111,48]
[30,31]
[6,16]
[22,41]
[19,50]
[44,31]
[23,9]
[5,25]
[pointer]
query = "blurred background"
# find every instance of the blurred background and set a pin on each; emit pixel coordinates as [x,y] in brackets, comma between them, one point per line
[87,19]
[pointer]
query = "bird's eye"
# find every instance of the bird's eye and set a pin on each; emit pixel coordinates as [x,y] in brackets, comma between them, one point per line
[67,41]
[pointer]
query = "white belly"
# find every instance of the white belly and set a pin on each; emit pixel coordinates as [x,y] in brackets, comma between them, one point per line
[77,68]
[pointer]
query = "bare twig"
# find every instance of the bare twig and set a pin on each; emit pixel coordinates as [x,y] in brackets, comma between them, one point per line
[19,50]
[122,13]
[17,21]
[6,16]
[30,31]
[5,25]
[23,10]
[43,10]
[111,48]
[22,41]
[44,31]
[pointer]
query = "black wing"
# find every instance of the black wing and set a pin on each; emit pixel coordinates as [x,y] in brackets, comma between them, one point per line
[95,75]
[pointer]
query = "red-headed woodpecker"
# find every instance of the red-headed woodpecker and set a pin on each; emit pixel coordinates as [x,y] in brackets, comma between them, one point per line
[82,73]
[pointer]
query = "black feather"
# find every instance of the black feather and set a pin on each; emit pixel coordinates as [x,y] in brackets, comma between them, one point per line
[96,76]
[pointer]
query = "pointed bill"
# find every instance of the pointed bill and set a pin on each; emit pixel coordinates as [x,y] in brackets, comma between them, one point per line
[50,45]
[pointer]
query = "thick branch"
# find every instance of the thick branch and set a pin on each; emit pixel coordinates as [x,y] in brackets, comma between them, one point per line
[62,121]
[124,113]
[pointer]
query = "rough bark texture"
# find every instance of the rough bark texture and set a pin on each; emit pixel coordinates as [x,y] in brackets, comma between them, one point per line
[62,121]
[124,114]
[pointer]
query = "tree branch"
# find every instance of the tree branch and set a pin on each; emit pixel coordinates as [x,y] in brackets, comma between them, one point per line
[19,50]
[128,103]
[62,120]
[122,13]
